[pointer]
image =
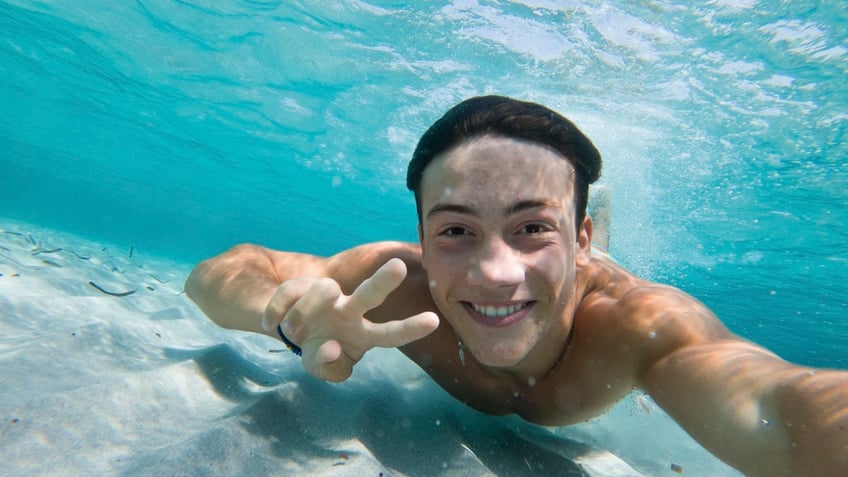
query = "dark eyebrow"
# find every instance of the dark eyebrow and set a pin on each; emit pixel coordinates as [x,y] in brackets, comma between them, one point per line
[512,209]
[532,204]
[455,208]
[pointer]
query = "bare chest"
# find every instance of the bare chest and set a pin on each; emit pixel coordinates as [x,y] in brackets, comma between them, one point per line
[580,387]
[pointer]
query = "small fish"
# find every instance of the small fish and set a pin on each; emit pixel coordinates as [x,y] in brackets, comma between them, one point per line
[40,250]
[99,288]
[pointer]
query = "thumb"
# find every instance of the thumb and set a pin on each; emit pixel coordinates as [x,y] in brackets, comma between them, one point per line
[327,362]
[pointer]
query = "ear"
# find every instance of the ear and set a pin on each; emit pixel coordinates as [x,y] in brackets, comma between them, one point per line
[584,243]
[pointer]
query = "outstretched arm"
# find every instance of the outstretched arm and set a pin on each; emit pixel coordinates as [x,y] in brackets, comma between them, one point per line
[320,302]
[753,410]
[756,412]
[234,288]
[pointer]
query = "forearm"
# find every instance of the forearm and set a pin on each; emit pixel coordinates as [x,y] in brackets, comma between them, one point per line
[756,412]
[813,406]
[234,288]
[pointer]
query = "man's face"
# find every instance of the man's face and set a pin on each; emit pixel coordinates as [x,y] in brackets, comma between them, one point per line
[500,248]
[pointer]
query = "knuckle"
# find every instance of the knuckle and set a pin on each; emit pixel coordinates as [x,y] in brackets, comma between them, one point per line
[325,289]
[277,307]
[287,289]
[294,325]
[287,294]
[295,288]
[324,282]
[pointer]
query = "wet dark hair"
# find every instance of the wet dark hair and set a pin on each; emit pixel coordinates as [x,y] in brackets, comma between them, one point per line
[501,116]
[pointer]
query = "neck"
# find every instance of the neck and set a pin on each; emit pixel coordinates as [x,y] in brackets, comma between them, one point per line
[532,369]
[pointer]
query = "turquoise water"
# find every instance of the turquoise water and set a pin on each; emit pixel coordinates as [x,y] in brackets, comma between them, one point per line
[183,127]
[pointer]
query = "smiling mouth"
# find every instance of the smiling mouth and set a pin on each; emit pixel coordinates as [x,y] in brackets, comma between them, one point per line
[490,311]
[498,315]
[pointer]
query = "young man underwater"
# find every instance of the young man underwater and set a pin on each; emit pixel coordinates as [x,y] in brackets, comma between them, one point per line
[506,307]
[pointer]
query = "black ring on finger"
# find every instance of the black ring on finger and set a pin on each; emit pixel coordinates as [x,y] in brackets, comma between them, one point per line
[291,346]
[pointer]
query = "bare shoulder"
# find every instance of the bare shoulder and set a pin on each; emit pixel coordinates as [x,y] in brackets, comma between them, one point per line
[759,413]
[354,265]
[642,315]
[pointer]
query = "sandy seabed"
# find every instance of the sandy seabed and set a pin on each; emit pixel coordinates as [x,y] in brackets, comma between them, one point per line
[107,368]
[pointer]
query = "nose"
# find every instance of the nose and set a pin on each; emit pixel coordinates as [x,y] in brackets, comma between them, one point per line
[496,264]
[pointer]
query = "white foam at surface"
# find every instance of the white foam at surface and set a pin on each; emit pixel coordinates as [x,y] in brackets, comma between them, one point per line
[94,384]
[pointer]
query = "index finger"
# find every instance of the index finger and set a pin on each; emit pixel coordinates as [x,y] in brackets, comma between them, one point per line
[374,290]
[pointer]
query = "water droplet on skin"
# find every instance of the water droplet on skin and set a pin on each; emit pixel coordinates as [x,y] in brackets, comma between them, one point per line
[642,401]
[653,334]
[432,283]
[531,381]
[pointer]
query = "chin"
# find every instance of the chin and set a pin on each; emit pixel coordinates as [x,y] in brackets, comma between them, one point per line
[500,355]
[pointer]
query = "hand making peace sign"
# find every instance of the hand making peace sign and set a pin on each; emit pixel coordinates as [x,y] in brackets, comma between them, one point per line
[330,326]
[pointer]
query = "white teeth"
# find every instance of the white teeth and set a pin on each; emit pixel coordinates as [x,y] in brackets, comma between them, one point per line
[497,311]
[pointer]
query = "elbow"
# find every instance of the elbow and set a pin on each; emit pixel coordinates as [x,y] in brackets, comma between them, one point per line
[204,273]
[191,284]
[196,280]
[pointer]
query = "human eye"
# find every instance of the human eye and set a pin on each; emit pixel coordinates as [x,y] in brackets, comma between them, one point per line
[454,231]
[534,228]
